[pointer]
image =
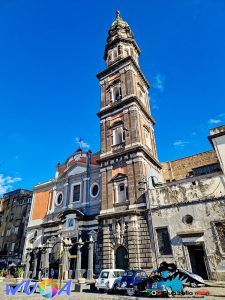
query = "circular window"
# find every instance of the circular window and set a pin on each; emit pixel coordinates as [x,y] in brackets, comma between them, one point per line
[59,199]
[188,219]
[94,190]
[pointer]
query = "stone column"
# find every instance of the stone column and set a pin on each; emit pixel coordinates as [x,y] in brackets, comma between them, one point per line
[27,267]
[90,259]
[106,247]
[34,273]
[66,200]
[78,266]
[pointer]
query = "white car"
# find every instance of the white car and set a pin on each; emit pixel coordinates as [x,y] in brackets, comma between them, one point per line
[109,279]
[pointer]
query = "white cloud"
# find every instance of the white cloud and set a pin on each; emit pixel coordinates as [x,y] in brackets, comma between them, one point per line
[180,143]
[214,121]
[6,183]
[220,118]
[159,82]
[82,144]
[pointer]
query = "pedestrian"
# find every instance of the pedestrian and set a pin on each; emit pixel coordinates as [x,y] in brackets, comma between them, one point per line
[52,273]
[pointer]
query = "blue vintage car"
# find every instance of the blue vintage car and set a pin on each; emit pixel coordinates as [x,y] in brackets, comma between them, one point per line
[131,281]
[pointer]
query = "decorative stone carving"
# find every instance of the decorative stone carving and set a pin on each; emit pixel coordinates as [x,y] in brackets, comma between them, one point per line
[118,230]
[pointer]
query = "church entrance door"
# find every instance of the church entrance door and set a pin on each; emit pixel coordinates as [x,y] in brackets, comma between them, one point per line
[122,260]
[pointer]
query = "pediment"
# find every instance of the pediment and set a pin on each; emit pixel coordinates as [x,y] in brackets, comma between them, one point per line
[76,212]
[119,177]
[75,169]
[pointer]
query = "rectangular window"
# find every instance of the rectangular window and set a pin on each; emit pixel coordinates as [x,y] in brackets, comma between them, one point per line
[121,188]
[220,228]
[163,241]
[76,193]
[206,169]
[118,136]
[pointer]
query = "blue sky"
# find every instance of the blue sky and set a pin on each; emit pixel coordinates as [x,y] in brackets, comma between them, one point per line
[51,51]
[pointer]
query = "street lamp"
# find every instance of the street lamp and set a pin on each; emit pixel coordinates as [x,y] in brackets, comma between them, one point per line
[144,186]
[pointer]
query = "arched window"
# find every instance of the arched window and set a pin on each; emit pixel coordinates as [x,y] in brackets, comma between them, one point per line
[141,96]
[147,138]
[121,193]
[110,56]
[118,136]
[117,93]
[115,53]
[126,52]
[131,52]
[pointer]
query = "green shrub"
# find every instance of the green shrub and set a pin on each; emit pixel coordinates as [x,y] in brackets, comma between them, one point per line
[19,273]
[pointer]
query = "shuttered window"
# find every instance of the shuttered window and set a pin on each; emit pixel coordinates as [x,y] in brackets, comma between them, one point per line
[164,244]
[76,193]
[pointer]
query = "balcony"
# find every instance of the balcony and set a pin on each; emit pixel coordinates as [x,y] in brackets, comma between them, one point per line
[118,147]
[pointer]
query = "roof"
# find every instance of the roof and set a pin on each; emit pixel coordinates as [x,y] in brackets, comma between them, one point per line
[119,31]
[183,167]
[17,192]
[110,270]
[79,157]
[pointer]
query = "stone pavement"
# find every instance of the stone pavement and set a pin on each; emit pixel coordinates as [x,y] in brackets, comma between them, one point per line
[215,293]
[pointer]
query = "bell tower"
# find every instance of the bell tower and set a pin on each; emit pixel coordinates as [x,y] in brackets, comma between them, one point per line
[128,151]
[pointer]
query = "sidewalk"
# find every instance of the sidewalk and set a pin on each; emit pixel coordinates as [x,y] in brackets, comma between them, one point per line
[215,283]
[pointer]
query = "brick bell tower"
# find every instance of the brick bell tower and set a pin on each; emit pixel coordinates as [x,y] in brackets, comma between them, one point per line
[128,153]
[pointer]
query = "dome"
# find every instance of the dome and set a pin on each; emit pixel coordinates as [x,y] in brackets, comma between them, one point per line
[119,21]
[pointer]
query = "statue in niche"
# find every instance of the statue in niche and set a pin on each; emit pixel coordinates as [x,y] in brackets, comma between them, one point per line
[118,230]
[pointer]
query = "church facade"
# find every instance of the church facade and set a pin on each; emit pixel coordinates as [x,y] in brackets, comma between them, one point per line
[120,208]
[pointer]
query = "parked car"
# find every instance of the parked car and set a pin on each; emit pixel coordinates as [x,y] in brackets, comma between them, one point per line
[189,278]
[109,279]
[130,282]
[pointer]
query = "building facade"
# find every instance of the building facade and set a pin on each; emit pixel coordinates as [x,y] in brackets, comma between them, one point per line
[188,211]
[64,210]
[14,219]
[122,208]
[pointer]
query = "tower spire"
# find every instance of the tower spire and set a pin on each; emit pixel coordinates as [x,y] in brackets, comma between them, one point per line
[121,36]
[117,14]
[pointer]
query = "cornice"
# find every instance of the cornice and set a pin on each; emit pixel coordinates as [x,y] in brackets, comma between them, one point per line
[134,149]
[114,66]
[119,104]
[118,40]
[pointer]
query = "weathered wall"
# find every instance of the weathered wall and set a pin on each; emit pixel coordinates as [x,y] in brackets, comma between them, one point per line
[204,214]
[192,189]
[203,198]
[182,168]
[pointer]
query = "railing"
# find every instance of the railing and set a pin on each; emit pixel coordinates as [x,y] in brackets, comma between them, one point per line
[118,147]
